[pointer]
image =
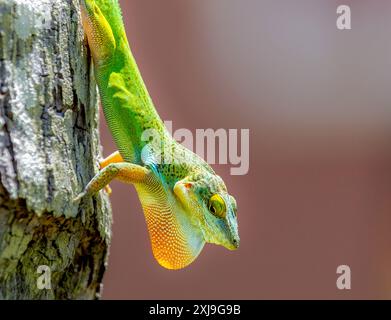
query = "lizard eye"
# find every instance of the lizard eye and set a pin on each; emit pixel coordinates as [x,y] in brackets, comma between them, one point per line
[217,206]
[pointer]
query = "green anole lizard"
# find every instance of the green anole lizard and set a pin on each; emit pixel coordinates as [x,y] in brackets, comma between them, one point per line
[184,202]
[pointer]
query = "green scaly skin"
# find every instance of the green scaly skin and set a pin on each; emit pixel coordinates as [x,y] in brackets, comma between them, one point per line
[185,203]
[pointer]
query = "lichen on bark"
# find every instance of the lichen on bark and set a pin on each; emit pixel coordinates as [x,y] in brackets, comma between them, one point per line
[49,148]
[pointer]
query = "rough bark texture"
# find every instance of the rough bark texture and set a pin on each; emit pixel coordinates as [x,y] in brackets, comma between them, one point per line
[49,146]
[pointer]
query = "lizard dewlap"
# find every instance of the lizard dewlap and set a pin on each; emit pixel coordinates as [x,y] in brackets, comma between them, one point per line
[184,202]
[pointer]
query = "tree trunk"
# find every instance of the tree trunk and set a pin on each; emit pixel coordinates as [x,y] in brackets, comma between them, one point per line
[49,147]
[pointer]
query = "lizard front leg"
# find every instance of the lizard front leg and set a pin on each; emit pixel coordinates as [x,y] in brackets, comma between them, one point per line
[113,158]
[124,171]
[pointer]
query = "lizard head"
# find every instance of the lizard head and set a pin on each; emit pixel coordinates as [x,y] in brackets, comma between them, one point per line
[204,196]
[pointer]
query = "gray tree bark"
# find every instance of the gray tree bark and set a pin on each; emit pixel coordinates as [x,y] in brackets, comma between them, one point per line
[49,147]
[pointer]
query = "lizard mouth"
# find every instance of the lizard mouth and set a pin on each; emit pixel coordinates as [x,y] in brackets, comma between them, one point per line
[233,244]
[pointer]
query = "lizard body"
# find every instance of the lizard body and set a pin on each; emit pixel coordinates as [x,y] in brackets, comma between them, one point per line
[184,202]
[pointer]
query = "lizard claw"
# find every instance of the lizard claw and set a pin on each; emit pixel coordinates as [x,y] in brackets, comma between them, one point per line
[99,164]
[108,190]
[79,197]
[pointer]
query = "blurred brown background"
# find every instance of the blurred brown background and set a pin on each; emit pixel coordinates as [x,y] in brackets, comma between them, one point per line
[317,101]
